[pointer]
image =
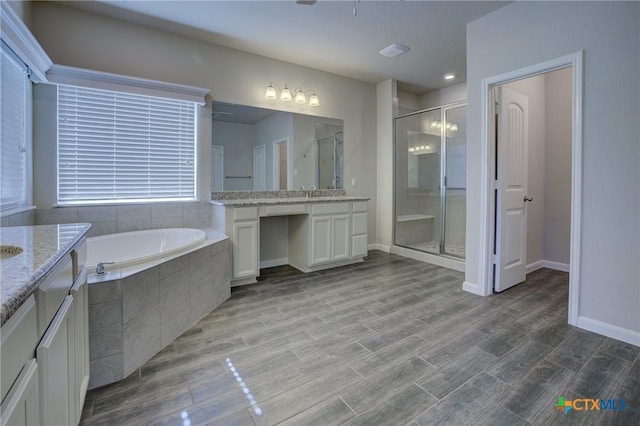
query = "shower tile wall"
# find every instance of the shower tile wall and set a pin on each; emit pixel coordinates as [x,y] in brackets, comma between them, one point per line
[113,219]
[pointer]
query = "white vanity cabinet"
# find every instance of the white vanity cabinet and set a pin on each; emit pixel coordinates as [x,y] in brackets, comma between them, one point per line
[359,223]
[242,225]
[45,349]
[19,369]
[329,237]
[321,234]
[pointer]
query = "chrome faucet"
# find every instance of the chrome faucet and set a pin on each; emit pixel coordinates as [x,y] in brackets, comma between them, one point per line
[100,267]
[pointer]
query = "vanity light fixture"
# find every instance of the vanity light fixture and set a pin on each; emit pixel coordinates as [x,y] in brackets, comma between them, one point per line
[285,95]
[299,95]
[270,92]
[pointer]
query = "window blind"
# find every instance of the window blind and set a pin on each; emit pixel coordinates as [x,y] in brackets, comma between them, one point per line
[121,147]
[15,111]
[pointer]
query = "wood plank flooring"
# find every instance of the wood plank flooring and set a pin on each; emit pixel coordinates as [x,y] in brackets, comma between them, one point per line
[390,341]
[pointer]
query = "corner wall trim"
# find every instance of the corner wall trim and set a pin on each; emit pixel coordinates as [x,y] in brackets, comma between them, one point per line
[472,288]
[377,246]
[610,330]
[556,266]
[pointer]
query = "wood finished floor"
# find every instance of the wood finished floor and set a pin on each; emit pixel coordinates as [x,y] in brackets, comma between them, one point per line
[390,341]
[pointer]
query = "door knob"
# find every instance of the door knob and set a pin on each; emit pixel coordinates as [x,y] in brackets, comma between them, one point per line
[528,199]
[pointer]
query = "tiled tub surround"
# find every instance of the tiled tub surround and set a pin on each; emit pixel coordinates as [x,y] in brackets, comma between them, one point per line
[134,312]
[42,247]
[125,218]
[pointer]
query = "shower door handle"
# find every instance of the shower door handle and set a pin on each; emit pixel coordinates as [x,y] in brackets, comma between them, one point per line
[529,199]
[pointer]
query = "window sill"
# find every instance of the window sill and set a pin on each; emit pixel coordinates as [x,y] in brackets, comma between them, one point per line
[121,203]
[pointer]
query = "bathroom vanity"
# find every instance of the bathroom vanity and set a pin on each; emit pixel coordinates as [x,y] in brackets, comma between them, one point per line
[321,231]
[44,336]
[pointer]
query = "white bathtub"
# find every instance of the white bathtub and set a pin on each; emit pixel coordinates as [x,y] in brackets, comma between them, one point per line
[133,248]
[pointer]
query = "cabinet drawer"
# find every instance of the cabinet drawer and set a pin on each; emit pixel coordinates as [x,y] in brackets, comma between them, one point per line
[359,206]
[359,225]
[19,339]
[285,210]
[330,208]
[245,213]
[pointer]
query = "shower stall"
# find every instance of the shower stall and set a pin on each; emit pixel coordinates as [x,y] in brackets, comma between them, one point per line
[429,184]
[330,153]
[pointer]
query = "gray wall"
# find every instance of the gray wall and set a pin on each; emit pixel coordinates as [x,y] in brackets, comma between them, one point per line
[557,175]
[238,141]
[526,33]
[86,40]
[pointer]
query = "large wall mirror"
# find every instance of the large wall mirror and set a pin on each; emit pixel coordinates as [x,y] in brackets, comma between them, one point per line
[262,149]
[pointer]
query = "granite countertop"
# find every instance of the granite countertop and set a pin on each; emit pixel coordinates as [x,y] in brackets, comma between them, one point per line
[43,246]
[239,202]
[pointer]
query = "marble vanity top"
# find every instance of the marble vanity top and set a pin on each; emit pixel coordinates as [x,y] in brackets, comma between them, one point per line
[292,200]
[43,246]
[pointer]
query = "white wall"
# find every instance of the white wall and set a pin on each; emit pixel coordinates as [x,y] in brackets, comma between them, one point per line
[448,95]
[387,102]
[526,33]
[557,193]
[534,89]
[81,39]
[238,141]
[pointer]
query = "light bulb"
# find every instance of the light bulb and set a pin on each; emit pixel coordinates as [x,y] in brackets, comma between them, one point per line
[300,97]
[454,127]
[285,95]
[411,149]
[314,100]
[448,125]
[270,92]
[434,123]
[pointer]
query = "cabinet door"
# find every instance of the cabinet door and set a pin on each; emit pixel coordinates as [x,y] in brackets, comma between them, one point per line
[56,360]
[21,407]
[245,249]
[320,240]
[80,294]
[341,237]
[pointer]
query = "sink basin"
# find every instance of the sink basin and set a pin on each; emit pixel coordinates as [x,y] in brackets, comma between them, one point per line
[7,252]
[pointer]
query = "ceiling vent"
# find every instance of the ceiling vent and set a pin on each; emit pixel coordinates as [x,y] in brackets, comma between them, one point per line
[306,2]
[394,50]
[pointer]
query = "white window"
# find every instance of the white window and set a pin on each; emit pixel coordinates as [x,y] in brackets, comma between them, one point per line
[15,146]
[116,147]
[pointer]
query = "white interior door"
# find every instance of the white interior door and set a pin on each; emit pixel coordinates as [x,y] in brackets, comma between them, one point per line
[217,168]
[511,223]
[259,168]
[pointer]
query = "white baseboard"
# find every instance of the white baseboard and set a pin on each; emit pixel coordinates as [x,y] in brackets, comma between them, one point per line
[381,247]
[557,266]
[610,330]
[456,265]
[472,288]
[274,262]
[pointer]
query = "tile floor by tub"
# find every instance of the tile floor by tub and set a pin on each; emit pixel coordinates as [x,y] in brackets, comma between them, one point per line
[390,341]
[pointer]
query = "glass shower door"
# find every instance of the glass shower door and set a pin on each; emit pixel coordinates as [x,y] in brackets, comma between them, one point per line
[455,181]
[418,197]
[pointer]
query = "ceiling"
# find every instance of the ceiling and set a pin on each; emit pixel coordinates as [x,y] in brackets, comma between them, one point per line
[325,36]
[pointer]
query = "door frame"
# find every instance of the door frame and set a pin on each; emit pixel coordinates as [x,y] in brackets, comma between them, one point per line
[487,134]
[264,167]
[276,163]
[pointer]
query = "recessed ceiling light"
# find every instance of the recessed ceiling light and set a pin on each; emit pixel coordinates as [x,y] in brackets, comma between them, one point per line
[394,50]
[449,76]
